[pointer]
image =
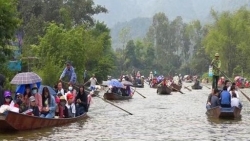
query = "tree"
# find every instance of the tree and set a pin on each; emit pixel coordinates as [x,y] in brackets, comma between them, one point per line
[8,24]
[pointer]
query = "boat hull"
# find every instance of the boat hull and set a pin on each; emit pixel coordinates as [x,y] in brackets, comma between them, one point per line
[197,88]
[219,112]
[163,90]
[176,88]
[19,122]
[113,96]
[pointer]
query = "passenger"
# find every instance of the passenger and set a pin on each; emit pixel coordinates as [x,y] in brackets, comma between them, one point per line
[27,95]
[233,90]
[81,102]
[63,110]
[163,82]
[209,99]
[71,106]
[33,106]
[38,97]
[225,98]
[9,104]
[72,91]
[215,100]
[235,102]
[60,89]
[49,104]
[19,102]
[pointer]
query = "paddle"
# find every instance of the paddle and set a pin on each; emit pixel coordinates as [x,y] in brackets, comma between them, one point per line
[207,86]
[187,88]
[139,93]
[177,90]
[232,81]
[114,105]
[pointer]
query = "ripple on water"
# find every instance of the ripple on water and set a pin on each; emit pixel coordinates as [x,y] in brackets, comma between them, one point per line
[173,117]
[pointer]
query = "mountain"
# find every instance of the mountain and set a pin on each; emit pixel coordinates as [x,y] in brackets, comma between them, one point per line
[123,13]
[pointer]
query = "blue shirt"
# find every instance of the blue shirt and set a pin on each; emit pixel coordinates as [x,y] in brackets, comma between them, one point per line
[225,97]
[70,73]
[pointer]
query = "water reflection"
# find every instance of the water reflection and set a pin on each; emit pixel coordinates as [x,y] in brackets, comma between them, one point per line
[171,117]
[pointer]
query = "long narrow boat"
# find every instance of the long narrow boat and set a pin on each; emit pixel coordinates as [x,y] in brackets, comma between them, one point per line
[219,112]
[196,87]
[113,96]
[175,87]
[164,90]
[18,122]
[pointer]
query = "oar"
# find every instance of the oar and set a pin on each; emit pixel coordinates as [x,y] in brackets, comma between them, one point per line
[207,86]
[187,88]
[232,81]
[114,105]
[177,90]
[139,93]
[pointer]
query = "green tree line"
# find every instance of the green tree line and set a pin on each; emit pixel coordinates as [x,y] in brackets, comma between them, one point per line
[188,48]
[57,31]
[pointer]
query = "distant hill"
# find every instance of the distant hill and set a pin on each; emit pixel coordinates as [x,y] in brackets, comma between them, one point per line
[138,29]
[128,12]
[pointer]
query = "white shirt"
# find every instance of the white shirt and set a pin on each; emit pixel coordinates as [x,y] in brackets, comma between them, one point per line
[72,106]
[92,81]
[235,102]
[236,92]
[61,91]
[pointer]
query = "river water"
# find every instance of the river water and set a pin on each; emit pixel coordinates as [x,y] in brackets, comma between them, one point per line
[155,118]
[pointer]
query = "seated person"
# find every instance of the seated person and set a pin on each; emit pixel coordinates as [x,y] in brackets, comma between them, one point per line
[19,101]
[63,110]
[197,85]
[235,102]
[81,101]
[71,106]
[215,100]
[123,92]
[209,99]
[33,109]
[9,104]
[225,98]
[233,90]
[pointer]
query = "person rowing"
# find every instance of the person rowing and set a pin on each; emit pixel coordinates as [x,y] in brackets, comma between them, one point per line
[69,71]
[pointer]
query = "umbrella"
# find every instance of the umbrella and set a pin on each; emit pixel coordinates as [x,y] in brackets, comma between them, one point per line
[21,88]
[236,78]
[51,90]
[115,83]
[26,78]
[127,83]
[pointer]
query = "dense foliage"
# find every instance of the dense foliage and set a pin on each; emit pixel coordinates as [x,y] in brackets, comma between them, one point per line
[188,48]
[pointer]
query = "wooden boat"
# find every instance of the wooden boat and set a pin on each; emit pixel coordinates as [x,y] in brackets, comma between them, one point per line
[176,87]
[138,83]
[219,112]
[196,88]
[163,90]
[96,93]
[18,122]
[113,96]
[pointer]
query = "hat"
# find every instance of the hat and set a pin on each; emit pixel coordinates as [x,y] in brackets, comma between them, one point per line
[62,97]
[69,96]
[7,94]
[151,72]
[34,86]
[216,55]
[18,94]
[32,98]
[68,63]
